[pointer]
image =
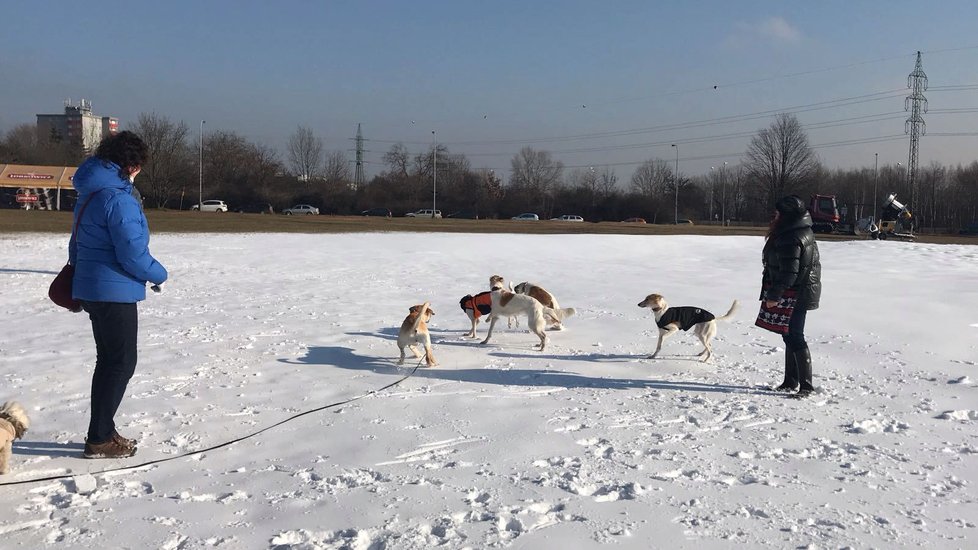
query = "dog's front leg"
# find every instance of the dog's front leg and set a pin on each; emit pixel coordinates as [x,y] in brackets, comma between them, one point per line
[663,334]
[5,452]
[401,360]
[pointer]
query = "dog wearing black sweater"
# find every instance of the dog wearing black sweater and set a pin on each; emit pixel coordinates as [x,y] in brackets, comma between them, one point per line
[671,320]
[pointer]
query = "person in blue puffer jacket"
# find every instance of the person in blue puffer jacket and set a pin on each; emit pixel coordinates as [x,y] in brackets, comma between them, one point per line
[112,262]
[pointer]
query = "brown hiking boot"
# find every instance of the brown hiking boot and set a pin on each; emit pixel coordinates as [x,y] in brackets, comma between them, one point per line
[110,449]
[125,441]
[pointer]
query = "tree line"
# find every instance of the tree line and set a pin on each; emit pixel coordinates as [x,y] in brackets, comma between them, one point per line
[252,176]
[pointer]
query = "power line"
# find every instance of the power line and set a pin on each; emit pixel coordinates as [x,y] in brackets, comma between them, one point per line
[848,121]
[874,139]
[828,104]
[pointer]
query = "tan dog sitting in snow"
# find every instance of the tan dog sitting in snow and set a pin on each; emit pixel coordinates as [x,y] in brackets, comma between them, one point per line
[671,319]
[13,425]
[414,331]
[544,297]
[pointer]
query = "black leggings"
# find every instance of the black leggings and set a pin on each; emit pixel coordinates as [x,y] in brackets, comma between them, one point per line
[114,326]
[795,339]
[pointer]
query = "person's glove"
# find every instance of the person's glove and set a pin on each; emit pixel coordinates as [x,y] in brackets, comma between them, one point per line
[157,288]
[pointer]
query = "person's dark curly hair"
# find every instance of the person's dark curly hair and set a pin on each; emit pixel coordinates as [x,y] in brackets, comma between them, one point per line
[125,149]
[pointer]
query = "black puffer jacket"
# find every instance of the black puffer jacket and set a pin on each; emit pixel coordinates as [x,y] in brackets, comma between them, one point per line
[791,261]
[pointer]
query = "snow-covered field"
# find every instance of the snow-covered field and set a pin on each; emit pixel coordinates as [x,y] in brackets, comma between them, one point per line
[588,445]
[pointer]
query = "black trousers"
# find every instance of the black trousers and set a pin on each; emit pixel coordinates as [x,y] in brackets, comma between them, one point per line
[795,338]
[114,327]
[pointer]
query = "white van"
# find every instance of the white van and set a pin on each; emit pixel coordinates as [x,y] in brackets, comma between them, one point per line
[424,213]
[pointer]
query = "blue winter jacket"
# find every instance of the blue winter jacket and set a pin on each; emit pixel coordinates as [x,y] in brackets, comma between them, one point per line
[110,250]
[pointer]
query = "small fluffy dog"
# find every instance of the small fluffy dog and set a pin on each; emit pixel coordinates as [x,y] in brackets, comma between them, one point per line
[506,303]
[671,319]
[544,297]
[475,307]
[414,331]
[13,425]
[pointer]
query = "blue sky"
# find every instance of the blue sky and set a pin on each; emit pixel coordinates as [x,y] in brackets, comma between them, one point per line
[593,82]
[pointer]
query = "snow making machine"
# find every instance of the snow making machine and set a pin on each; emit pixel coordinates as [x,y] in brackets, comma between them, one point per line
[895,221]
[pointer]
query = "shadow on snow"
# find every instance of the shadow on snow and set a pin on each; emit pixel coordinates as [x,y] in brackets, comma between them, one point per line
[347,358]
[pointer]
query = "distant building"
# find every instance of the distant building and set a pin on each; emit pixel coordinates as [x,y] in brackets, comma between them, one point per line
[77,126]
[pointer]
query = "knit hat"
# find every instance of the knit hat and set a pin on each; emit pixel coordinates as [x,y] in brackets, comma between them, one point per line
[791,206]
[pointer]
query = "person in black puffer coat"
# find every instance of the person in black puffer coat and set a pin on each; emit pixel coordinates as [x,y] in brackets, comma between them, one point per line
[791,262]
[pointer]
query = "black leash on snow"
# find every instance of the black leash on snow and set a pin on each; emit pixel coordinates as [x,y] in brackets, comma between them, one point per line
[225,444]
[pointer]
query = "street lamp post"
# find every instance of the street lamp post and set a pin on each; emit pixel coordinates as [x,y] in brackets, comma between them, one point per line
[712,178]
[676,181]
[434,174]
[200,161]
[723,196]
[876,183]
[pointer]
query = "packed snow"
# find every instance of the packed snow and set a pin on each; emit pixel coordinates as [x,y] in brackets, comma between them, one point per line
[589,444]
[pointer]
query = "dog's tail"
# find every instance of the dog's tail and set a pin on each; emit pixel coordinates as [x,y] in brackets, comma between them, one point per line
[14,413]
[731,311]
[559,314]
[420,318]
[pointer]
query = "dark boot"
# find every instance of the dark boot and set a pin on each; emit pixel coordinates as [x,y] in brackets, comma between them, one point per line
[790,372]
[803,358]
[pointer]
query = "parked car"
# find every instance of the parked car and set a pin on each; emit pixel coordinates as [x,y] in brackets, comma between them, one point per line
[527,216]
[383,212]
[424,213]
[970,229]
[568,218]
[301,209]
[687,222]
[633,220]
[464,215]
[211,206]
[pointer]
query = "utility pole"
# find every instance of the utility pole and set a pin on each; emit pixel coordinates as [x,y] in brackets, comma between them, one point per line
[916,103]
[358,180]
[200,160]
[676,181]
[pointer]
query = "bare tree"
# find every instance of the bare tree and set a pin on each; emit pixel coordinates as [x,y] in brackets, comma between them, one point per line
[584,180]
[337,169]
[493,185]
[537,175]
[423,162]
[397,161]
[264,165]
[20,145]
[607,182]
[168,156]
[305,153]
[652,178]
[779,159]
[225,164]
